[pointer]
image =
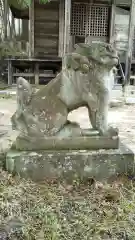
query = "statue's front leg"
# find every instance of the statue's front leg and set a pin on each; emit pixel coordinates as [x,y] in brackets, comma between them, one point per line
[92,106]
[92,118]
[98,107]
[102,116]
[98,118]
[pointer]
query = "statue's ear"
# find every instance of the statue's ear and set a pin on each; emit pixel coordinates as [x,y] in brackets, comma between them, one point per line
[82,45]
[84,49]
[77,61]
[73,61]
[83,62]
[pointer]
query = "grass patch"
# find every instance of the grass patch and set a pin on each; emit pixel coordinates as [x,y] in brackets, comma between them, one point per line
[57,211]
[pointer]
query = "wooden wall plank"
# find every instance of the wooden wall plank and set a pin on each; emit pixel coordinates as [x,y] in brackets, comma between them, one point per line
[46,29]
[61,28]
[67,26]
[5,18]
[130,42]
[31,30]
[111,32]
[10,73]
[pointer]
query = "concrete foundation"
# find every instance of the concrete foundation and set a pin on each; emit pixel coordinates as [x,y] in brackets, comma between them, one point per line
[70,165]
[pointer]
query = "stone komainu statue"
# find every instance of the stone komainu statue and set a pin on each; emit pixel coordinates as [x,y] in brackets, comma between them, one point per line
[86,79]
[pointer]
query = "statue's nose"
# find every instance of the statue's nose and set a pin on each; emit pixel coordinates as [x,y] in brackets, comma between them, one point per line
[111,49]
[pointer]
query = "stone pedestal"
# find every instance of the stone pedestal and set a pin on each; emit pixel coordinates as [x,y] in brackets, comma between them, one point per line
[71,164]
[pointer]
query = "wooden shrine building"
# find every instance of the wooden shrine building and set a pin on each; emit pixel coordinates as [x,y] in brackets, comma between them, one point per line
[50,30]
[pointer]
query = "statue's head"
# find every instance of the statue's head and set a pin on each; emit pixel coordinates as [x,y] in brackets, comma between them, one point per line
[100,52]
[86,56]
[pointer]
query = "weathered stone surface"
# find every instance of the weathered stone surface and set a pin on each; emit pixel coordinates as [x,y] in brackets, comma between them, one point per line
[69,165]
[86,79]
[76,143]
[6,142]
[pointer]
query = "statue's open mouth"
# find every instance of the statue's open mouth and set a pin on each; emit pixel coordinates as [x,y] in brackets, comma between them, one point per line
[116,57]
[110,56]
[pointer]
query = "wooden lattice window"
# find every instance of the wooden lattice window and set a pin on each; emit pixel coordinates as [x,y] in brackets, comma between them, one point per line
[98,21]
[78,24]
[89,20]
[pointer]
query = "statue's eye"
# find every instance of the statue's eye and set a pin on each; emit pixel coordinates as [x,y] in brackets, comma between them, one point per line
[102,49]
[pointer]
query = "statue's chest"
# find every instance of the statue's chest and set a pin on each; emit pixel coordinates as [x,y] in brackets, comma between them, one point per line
[104,76]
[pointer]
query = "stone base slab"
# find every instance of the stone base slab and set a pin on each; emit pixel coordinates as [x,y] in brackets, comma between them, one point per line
[69,143]
[69,165]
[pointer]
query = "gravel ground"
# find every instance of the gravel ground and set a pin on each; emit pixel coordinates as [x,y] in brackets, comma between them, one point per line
[122,117]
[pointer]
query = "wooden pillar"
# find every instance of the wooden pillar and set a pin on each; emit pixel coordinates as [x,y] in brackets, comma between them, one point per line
[111,33]
[12,27]
[67,26]
[130,43]
[10,73]
[31,29]
[36,74]
[25,29]
[61,28]
[5,18]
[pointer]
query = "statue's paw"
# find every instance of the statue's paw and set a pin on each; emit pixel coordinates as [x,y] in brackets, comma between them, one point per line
[111,132]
